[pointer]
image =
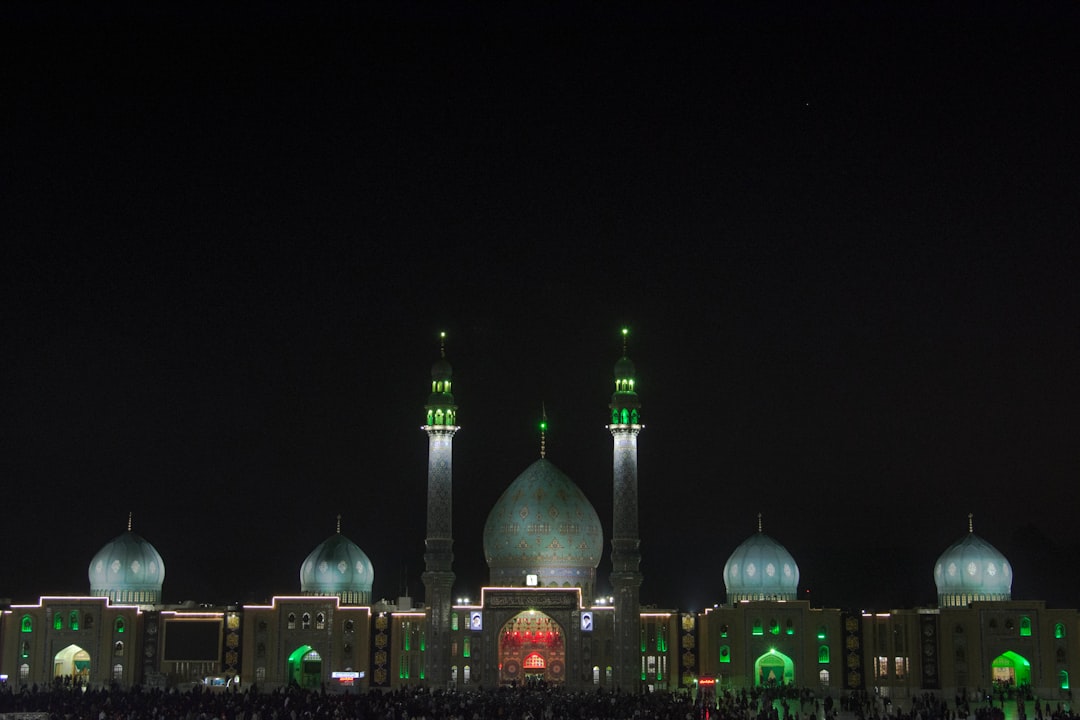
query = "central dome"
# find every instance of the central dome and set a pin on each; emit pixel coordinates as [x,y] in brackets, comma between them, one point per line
[972,569]
[761,569]
[543,525]
[127,570]
[337,566]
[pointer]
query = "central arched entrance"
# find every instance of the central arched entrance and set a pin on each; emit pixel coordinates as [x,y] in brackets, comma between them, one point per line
[1011,670]
[531,649]
[774,669]
[72,663]
[305,667]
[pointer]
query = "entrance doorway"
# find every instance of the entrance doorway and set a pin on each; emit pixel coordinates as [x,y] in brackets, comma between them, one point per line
[72,664]
[305,667]
[531,649]
[774,669]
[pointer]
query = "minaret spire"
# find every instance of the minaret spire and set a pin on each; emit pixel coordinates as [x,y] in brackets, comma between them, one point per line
[130,515]
[438,576]
[626,576]
[543,430]
[971,522]
[759,522]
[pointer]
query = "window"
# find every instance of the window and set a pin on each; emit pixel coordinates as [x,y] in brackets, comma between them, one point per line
[466,647]
[25,650]
[260,650]
[1025,626]
[596,675]
[305,621]
[260,674]
[823,654]
[821,634]
[292,621]
[757,628]
[24,673]
[465,675]
[723,631]
[725,654]
[118,626]
[823,678]
[320,622]
[453,621]
[73,620]
[789,627]
[881,667]
[1063,679]
[88,621]
[58,622]
[118,672]
[349,626]
[118,649]
[901,665]
[1059,631]
[774,627]
[27,623]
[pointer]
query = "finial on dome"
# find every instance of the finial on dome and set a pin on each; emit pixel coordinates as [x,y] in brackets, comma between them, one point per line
[129,520]
[625,336]
[442,343]
[759,522]
[543,430]
[971,525]
[339,523]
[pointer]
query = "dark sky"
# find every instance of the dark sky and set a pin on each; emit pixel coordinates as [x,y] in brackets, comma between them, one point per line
[844,237]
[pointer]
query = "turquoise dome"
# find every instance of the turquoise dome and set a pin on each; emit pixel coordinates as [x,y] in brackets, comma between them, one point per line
[127,570]
[761,569]
[543,525]
[971,569]
[338,567]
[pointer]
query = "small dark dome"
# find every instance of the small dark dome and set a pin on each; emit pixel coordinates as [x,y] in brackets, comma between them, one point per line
[441,370]
[624,368]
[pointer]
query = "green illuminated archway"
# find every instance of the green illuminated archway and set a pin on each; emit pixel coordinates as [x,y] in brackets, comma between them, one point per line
[72,662]
[774,668]
[305,667]
[1011,669]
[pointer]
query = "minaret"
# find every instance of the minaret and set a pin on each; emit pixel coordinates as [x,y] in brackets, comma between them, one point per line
[625,551]
[438,574]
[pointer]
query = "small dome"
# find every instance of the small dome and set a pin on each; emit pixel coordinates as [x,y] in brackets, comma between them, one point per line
[441,370]
[624,368]
[340,568]
[127,570]
[543,525]
[971,569]
[761,569]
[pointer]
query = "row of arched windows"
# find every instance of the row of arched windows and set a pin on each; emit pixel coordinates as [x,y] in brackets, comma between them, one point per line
[27,623]
[440,417]
[625,416]
[305,621]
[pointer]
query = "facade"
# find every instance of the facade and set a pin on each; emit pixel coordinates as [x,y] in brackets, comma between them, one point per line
[539,618]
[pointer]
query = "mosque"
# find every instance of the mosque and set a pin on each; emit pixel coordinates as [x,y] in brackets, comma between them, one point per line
[539,618]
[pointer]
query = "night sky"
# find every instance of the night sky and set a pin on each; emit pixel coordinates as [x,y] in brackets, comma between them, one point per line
[845,239]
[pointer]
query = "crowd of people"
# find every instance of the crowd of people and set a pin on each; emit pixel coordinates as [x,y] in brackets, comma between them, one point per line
[533,702]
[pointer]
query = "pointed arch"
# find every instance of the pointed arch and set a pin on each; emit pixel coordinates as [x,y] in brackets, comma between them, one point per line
[1011,668]
[304,666]
[774,668]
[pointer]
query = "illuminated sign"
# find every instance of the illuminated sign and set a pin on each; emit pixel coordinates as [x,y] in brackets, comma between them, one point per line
[586,621]
[476,620]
